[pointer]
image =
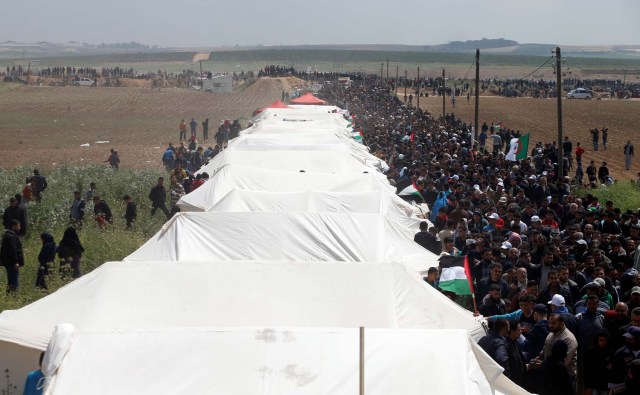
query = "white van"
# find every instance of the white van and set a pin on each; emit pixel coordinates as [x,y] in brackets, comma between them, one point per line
[84,82]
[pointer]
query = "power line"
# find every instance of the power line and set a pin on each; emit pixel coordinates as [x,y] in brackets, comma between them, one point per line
[539,67]
[470,66]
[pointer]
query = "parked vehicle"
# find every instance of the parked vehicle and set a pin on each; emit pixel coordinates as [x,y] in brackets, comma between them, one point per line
[580,93]
[84,82]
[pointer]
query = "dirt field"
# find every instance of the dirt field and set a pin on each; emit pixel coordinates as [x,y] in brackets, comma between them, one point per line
[538,116]
[46,126]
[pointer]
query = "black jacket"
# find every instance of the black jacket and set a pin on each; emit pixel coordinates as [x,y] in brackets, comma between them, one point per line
[428,241]
[11,249]
[158,195]
[19,213]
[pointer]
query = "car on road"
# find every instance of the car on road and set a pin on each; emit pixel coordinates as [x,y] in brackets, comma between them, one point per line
[84,82]
[580,93]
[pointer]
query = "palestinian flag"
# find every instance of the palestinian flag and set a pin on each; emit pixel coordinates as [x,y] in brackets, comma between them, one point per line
[519,148]
[409,190]
[359,135]
[455,274]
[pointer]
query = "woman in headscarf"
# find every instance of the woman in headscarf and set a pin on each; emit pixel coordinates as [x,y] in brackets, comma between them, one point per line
[46,256]
[70,252]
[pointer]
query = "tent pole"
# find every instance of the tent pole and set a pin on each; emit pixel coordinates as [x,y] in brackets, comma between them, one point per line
[362,360]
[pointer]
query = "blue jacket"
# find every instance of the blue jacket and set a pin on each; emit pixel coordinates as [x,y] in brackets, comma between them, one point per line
[496,346]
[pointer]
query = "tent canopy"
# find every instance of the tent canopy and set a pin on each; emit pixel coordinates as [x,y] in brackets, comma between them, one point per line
[292,160]
[238,294]
[390,205]
[298,236]
[308,98]
[275,104]
[269,361]
[232,177]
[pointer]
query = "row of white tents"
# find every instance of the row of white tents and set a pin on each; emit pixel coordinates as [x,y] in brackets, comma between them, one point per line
[260,286]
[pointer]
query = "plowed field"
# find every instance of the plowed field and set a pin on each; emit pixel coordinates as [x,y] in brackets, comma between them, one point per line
[46,126]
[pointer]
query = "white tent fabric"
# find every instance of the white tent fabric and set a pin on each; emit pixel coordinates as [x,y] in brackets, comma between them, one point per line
[305,142]
[375,202]
[334,162]
[238,294]
[233,177]
[269,361]
[297,236]
[212,290]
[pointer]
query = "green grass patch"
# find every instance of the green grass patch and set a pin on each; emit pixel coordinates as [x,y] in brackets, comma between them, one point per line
[624,194]
[52,215]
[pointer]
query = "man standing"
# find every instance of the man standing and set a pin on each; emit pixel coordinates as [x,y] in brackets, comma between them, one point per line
[183,130]
[193,125]
[14,211]
[595,134]
[628,155]
[205,129]
[131,212]
[41,183]
[579,152]
[559,332]
[158,197]
[11,255]
[591,173]
[605,137]
[495,344]
[603,173]
[76,216]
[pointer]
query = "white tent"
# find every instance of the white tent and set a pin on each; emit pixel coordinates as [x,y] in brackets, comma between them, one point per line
[146,295]
[270,361]
[390,205]
[298,236]
[292,160]
[233,177]
[305,142]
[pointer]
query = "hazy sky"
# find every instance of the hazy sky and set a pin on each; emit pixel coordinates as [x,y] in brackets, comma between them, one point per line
[290,22]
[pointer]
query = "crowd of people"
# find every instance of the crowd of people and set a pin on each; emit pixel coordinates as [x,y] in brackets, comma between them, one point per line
[555,273]
[65,255]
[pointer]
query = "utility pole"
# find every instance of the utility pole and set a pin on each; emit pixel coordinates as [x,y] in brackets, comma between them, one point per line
[559,94]
[418,99]
[396,84]
[475,119]
[405,86]
[444,94]
[387,69]
[381,69]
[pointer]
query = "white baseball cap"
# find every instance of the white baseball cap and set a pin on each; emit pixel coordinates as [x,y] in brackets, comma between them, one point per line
[557,300]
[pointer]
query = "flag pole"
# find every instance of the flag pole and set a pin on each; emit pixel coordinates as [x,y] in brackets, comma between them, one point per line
[475,305]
